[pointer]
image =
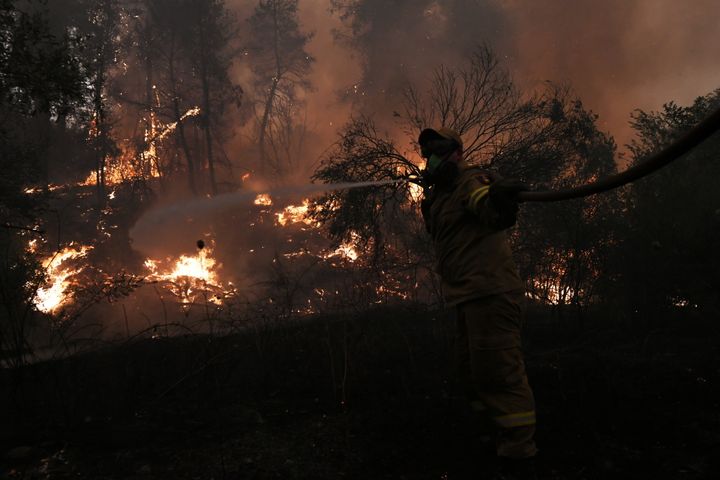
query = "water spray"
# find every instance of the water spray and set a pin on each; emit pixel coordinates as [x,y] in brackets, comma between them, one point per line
[161,217]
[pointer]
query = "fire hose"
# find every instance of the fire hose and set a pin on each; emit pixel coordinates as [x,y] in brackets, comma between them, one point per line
[672,152]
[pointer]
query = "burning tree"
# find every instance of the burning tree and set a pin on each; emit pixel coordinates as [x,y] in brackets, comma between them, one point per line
[69,73]
[185,50]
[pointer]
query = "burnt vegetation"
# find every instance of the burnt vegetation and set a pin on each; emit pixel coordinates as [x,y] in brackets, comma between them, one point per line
[305,337]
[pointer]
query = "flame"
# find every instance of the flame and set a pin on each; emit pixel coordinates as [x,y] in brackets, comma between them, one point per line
[263,199]
[551,292]
[296,214]
[347,250]
[50,187]
[188,276]
[131,164]
[50,298]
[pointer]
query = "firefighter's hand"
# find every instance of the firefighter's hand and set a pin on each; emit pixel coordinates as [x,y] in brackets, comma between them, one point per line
[506,191]
[503,196]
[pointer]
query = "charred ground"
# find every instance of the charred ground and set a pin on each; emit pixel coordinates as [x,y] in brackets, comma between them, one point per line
[365,396]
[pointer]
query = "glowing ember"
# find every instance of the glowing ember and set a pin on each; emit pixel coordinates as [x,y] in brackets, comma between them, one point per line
[295,214]
[50,187]
[347,250]
[416,192]
[245,176]
[51,298]
[263,199]
[551,292]
[32,246]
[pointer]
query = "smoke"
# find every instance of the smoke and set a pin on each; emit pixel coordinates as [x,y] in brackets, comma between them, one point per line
[192,218]
[617,55]
[401,42]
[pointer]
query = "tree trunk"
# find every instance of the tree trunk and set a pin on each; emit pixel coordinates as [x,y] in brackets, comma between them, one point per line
[180,137]
[206,112]
[264,124]
[100,128]
[273,91]
[149,102]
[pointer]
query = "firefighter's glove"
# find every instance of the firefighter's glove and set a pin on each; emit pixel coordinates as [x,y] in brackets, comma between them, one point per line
[503,197]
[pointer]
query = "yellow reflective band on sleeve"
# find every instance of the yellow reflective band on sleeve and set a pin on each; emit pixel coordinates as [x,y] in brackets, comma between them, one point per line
[516,419]
[478,195]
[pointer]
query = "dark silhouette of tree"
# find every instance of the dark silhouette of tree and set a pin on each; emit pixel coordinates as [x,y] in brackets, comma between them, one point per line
[281,65]
[99,31]
[562,248]
[41,85]
[210,44]
[668,258]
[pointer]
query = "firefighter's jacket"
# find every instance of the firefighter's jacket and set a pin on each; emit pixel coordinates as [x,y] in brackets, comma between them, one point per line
[473,254]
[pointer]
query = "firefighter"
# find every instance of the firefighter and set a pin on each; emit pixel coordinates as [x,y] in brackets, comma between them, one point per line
[466,211]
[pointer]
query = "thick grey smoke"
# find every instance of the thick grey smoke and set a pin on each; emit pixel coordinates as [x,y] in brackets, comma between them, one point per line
[194,216]
[616,55]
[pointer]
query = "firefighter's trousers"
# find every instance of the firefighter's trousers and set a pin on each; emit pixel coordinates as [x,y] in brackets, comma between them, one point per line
[492,366]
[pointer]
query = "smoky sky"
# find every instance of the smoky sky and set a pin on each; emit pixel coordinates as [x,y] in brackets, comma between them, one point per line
[616,55]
